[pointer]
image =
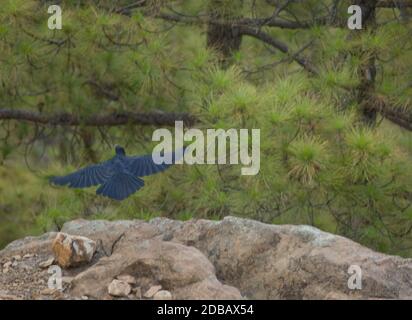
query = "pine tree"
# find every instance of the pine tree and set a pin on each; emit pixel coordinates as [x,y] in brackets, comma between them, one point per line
[333,106]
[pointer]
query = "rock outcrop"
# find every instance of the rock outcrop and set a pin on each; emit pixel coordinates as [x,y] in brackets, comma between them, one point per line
[199,259]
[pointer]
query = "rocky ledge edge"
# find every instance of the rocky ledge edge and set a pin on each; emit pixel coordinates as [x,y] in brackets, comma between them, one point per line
[165,259]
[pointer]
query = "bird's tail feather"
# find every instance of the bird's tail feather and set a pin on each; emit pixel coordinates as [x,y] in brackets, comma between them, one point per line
[120,186]
[61,181]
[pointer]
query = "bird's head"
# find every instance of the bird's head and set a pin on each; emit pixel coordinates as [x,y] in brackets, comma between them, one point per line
[120,150]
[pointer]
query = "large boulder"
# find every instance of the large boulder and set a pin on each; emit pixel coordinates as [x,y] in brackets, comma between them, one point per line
[179,269]
[230,259]
[292,262]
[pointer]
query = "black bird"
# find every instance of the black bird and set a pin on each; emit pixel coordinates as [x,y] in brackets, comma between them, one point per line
[118,177]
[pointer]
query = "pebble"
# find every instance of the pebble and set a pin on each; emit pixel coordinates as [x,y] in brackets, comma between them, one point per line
[152,291]
[47,263]
[138,292]
[5,296]
[119,288]
[162,295]
[48,291]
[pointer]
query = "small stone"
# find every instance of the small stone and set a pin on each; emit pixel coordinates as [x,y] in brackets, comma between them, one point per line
[162,295]
[72,251]
[137,292]
[28,255]
[5,270]
[119,288]
[48,291]
[127,278]
[17,257]
[85,298]
[47,263]
[8,297]
[7,265]
[4,295]
[152,291]
[14,264]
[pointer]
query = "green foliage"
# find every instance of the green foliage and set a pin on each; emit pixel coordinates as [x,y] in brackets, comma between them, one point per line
[319,164]
[307,159]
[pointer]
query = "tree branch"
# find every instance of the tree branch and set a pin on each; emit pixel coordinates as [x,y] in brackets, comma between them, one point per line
[263,36]
[400,115]
[128,8]
[241,22]
[394,4]
[96,120]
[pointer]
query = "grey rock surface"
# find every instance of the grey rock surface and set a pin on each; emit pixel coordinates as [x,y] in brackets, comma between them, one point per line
[230,259]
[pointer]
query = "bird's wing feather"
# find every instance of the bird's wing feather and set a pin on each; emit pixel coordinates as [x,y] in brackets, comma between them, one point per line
[120,186]
[144,165]
[86,177]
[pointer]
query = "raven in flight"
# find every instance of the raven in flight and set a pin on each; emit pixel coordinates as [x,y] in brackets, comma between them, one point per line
[118,177]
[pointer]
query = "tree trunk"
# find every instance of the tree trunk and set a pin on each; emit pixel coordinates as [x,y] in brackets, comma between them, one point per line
[87,137]
[367,70]
[224,37]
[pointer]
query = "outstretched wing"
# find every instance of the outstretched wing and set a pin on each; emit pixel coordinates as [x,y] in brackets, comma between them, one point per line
[144,165]
[89,176]
[120,186]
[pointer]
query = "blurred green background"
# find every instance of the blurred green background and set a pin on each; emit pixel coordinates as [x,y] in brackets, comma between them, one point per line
[333,106]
